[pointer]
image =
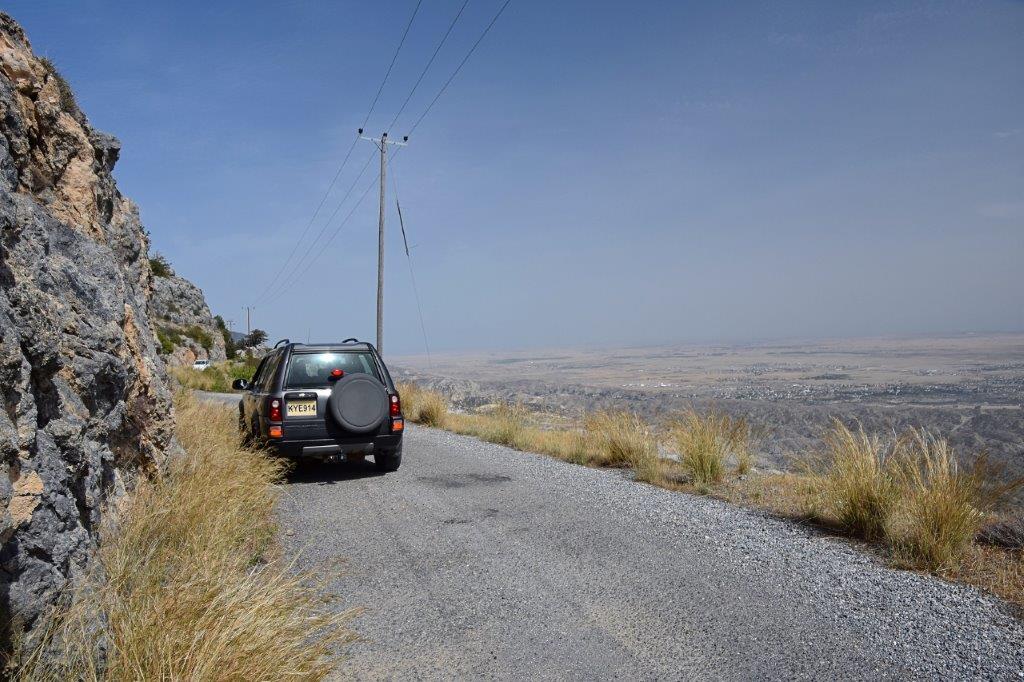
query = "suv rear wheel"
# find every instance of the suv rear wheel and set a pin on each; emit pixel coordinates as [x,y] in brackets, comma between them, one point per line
[388,461]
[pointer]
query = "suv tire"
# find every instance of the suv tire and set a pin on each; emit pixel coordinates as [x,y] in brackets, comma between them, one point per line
[387,461]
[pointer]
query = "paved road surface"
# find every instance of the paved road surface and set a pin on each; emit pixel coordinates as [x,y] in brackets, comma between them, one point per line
[474,560]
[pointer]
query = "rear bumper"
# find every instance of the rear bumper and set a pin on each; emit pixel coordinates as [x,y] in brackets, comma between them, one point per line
[329,448]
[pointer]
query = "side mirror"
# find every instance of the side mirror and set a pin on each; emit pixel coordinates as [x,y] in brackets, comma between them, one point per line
[240,384]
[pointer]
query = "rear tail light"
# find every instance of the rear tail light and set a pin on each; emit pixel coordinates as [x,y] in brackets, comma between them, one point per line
[275,432]
[397,425]
[274,409]
[396,406]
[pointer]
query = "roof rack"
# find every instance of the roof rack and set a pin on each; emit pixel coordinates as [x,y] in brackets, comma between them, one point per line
[351,339]
[282,342]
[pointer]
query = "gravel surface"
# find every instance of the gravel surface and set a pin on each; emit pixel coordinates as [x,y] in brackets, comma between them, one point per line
[477,560]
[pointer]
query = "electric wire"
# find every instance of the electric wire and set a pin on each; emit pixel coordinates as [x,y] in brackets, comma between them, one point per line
[430,61]
[305,230]
[298,277]
[392,64]
[295,275]
[344,162]
[459,67]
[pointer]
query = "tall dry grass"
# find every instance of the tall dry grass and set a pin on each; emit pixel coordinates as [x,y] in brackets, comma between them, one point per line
[861,486]
[186,585]
[423,406]
[619,439]
[942,504]
[708,443]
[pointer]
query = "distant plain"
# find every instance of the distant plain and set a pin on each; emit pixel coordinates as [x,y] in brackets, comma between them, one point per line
[967,387]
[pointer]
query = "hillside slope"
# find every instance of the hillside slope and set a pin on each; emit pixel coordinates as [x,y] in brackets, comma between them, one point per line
[185,327]
[86,404]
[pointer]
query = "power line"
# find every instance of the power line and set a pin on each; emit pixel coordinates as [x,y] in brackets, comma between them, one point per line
[305,230]
[430,61]
[459,67]
[344,162]
[393,59]
[292,277]
[299,275]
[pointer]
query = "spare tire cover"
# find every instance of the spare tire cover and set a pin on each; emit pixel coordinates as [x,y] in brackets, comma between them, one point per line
[358,403]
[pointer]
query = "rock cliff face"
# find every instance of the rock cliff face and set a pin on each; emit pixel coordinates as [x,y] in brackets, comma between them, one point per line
[85,404]
[185,327]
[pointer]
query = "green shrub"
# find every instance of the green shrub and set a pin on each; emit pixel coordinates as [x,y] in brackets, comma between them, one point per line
[159,265]
[168,339]
[200,336]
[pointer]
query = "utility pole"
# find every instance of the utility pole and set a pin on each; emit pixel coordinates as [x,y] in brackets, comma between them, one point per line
[382,143]
[248,320]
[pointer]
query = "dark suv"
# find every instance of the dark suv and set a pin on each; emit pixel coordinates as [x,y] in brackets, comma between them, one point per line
[323,401]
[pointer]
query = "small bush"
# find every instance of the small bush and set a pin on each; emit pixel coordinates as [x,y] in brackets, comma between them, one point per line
[706,443]
[67,95]
[942,506]
[168,339]
[200,336]
[619,439]
[861,488]
[160,266]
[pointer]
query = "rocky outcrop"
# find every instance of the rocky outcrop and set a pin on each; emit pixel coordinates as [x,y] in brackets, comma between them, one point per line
[185,327]
[85,404]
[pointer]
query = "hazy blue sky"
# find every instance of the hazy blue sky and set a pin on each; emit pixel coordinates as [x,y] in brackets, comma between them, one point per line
[599,173]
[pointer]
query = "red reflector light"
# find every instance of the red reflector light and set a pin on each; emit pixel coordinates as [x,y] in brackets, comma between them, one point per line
[274,410]
[398,425]
[337,373]
[396,406]
[275,432]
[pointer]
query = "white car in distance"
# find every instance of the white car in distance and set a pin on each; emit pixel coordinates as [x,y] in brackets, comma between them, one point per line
[200,364]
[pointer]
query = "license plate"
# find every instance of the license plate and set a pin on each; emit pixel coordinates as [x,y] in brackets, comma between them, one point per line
[301,408]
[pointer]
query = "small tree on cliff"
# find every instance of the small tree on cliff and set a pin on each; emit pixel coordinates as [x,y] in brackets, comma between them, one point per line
[256,338]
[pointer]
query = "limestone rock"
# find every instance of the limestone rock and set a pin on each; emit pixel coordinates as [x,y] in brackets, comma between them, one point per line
[182,317]
[86,405]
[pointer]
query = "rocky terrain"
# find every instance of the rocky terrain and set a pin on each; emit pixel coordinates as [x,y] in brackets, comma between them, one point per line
[185,327]
[86,404]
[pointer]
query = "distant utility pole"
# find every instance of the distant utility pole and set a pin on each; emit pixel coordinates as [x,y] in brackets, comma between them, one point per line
[382,143]
[248,320]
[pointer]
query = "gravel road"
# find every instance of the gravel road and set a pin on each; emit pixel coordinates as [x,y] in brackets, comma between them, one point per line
[474,560]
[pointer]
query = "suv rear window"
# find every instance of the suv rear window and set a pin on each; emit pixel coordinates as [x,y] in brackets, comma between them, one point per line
[313,370]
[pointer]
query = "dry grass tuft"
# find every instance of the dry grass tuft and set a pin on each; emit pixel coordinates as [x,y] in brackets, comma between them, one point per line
[707,443]
[423,406]
[506,425]
[861,488]
[189,588]
[942,506]
[619,439]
